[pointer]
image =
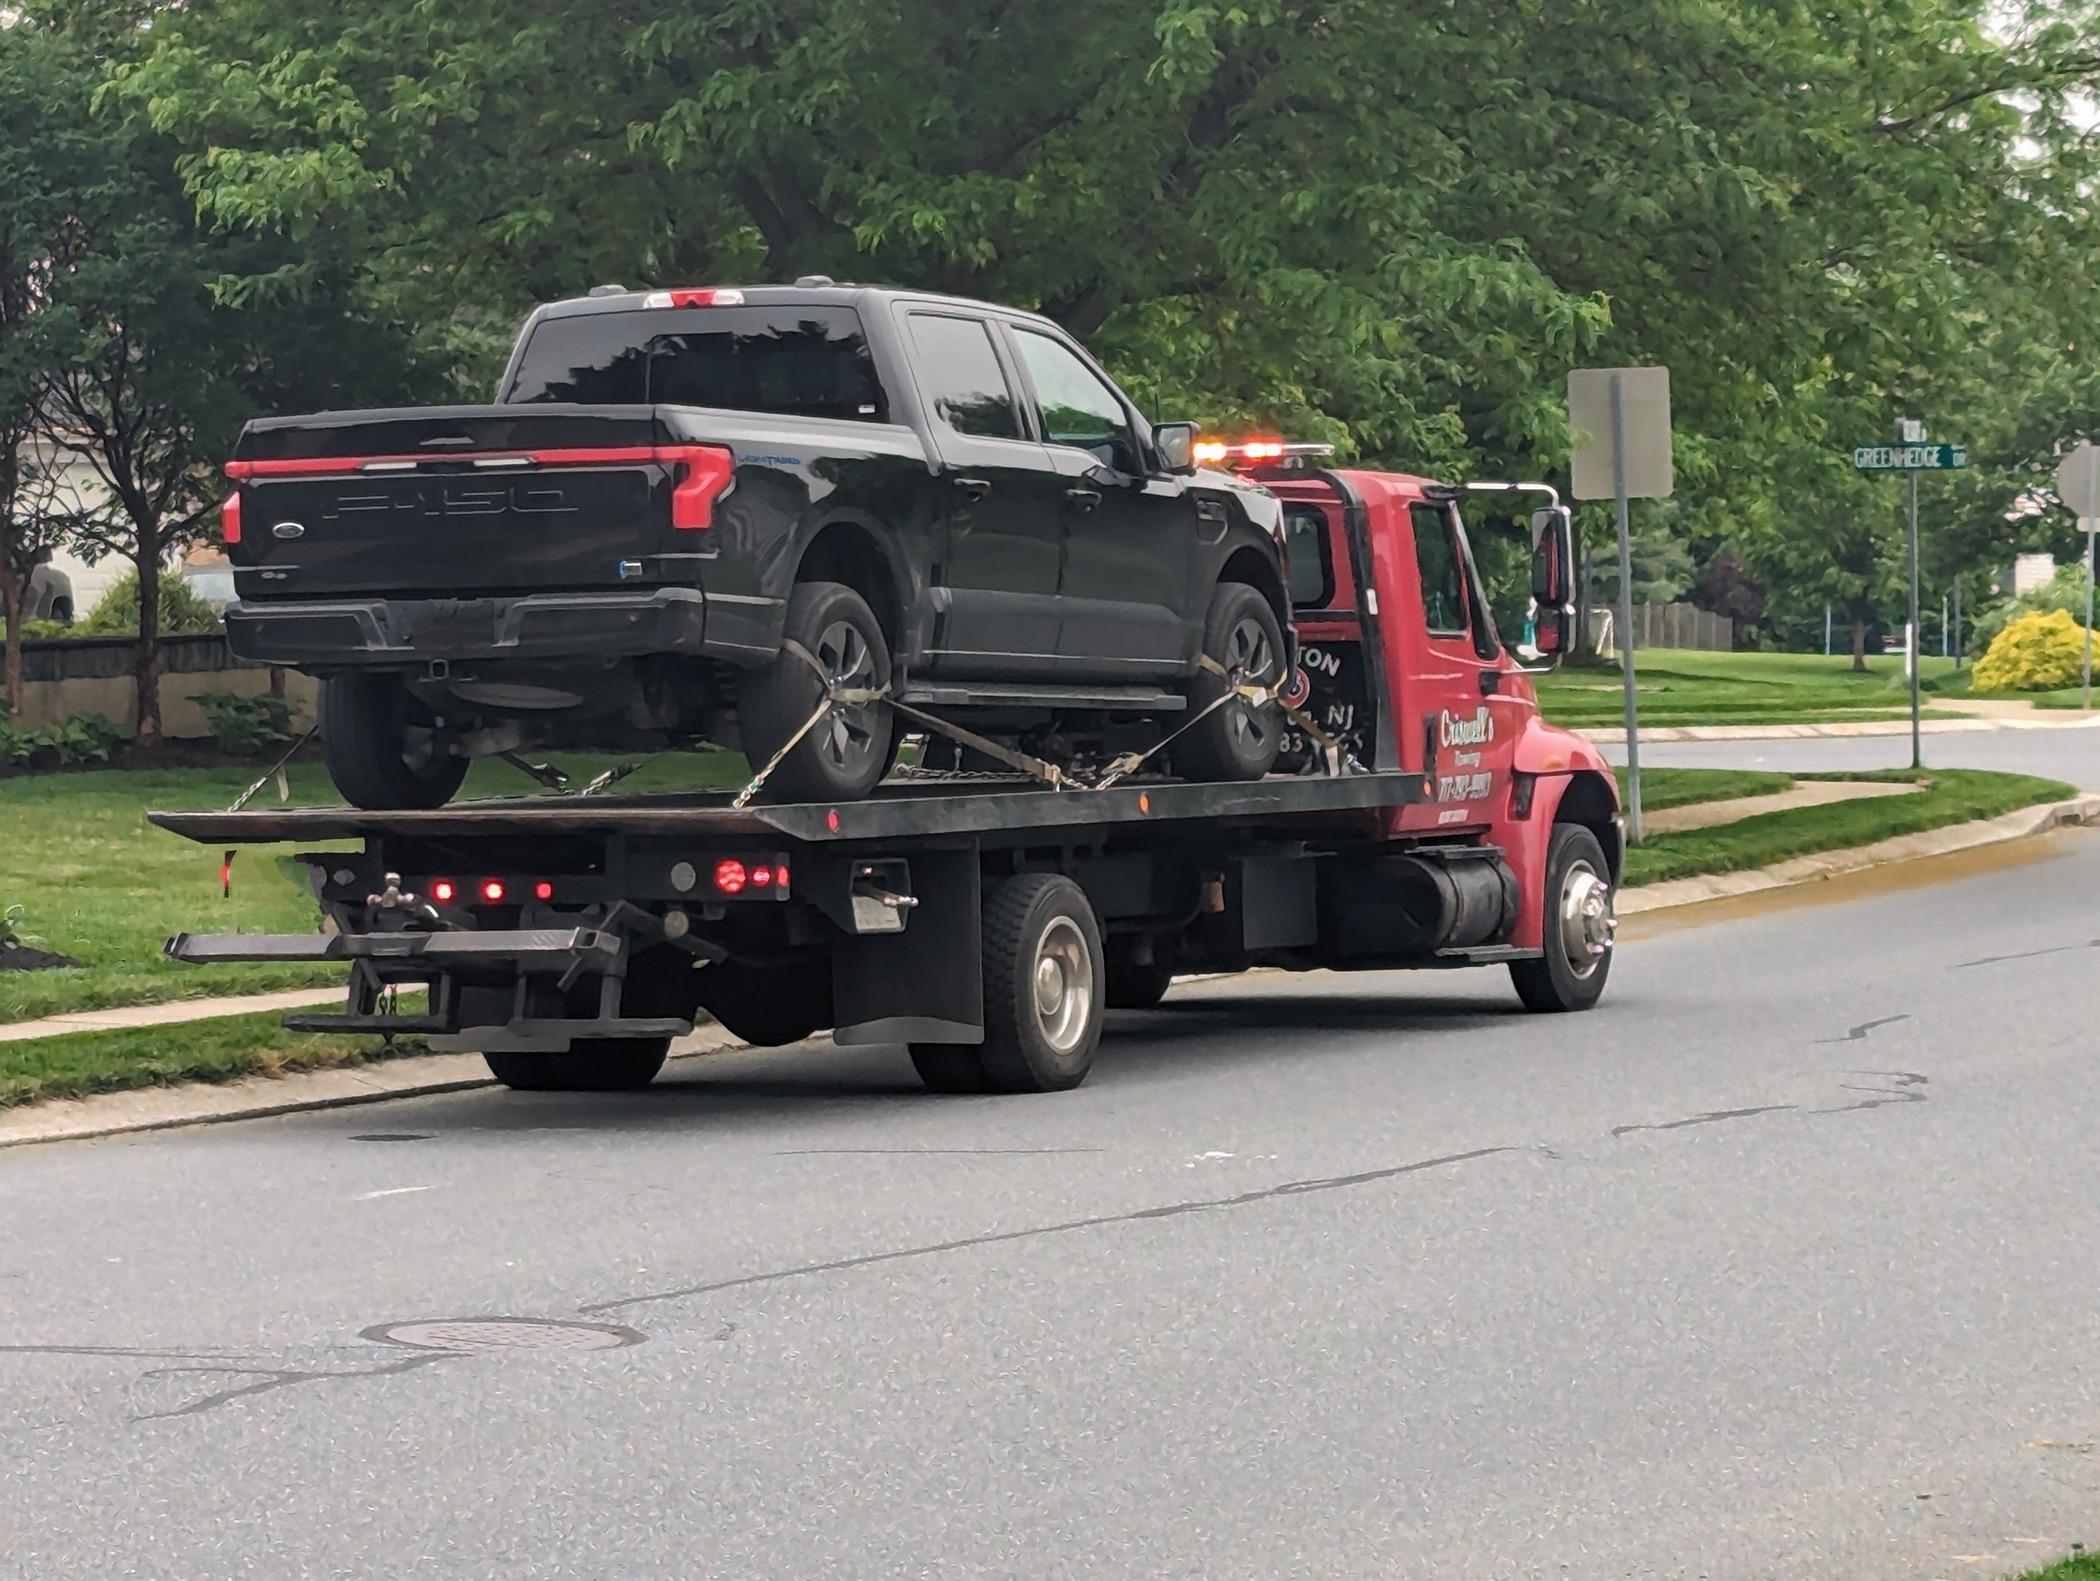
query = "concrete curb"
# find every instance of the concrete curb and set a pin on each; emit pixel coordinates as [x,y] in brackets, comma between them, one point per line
[256,1097]
[2018,825]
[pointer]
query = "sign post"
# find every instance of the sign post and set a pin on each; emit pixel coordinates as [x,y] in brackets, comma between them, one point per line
[2078,485]
[1910,455]
[1622,419]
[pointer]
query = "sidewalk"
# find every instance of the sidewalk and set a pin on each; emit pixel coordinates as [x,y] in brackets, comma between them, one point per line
[174,1013]
[2036,719]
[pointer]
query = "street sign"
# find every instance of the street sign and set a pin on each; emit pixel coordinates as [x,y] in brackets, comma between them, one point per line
[1645,405]
[1909,458]
[2078,480]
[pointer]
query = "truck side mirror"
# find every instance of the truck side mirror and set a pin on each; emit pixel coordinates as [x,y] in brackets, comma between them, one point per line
[1176,447]
[1552,578]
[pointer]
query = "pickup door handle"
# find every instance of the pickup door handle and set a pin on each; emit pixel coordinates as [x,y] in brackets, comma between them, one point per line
[1083,497]
[974,488]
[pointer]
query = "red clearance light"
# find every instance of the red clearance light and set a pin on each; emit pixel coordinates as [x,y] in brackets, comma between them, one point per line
[543,890]
[493,891]
[761,878]
[230,519]
[442,890]
[730,877]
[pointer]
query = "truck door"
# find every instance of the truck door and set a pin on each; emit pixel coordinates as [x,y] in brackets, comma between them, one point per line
[1002,505]
[1452,697]
[1130,538]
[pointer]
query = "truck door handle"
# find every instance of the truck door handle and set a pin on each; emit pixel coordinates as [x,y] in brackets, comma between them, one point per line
[1490,681]
[1085,498]
[974,488]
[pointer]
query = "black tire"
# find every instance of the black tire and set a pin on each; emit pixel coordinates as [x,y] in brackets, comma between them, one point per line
[768,1006]
[847,753]
[591,1065]
[1578,940]
[1239,740]
[1040,937]
[1137,985]
[949,1067]
[366,740]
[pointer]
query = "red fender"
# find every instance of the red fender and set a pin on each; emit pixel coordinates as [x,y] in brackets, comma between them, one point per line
[1555,764]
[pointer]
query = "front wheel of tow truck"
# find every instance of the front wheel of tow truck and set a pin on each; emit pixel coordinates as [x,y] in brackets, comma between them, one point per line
[1043,982]
[1239,739]
[1578,927]
[591,1065]
[380,758]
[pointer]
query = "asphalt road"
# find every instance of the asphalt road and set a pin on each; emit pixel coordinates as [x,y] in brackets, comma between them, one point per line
[1777,1265]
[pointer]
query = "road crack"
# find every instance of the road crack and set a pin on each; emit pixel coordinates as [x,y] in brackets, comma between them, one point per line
[2029,955]
[1711,1117]
[270,1379]
[1859,1033]
[1291,1188]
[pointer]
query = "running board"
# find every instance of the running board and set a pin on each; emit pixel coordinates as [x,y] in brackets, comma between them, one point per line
[1019,694]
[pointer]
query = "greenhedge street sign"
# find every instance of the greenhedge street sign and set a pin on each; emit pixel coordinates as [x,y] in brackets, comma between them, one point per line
[1909,458]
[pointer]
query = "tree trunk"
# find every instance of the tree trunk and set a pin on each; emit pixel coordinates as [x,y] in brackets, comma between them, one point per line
[277,680]
[145,669]
[1859,645]
[13,604]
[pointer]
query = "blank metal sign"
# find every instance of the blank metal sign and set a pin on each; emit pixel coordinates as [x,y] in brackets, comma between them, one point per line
[1647,409]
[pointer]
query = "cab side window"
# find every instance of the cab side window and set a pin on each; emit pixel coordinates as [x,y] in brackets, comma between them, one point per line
[1441,571]
[962,376]
[1078,407]
[1305,547]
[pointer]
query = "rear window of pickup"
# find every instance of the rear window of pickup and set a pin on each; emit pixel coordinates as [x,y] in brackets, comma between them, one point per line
[789,361]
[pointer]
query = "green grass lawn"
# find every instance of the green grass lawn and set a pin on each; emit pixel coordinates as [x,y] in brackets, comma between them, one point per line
[217,1050]
[1662,788]
[1679,686]
[1951,796]
[94,881]
[1961,685]
[2079,1567]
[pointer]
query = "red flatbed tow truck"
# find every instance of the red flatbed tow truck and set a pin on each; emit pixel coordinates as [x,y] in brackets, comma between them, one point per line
[1429,818]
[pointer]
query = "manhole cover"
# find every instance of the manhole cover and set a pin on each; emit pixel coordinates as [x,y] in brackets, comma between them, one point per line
[503,1333]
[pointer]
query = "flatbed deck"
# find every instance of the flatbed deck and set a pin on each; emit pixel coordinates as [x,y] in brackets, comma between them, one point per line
[895,811]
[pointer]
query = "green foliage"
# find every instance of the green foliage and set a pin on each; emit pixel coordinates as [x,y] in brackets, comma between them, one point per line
[2064,591]
[2037,652]
[82,741]
[116,612]
[243,725]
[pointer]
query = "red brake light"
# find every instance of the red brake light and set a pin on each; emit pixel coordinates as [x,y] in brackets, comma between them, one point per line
[442,890]
[230,519]
[761,878]
[492,891]
[730,877]
[702,475]
[543,890]
[695,296]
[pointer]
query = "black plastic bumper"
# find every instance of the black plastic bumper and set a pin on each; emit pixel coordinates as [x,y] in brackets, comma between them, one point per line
[407,631]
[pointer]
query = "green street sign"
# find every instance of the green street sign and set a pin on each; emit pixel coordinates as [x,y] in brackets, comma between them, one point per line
[1909,458]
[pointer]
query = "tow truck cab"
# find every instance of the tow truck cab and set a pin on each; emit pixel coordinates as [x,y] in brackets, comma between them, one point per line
[1407,671]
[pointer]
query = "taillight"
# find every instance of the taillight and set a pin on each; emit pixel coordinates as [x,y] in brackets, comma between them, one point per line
[753,877]
[701,474]
[543,890]
[443,891]
[731,877]
[493,891]
[230,519]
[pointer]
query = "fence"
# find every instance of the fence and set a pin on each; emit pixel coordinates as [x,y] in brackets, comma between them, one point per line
[92,675]
[1666,626]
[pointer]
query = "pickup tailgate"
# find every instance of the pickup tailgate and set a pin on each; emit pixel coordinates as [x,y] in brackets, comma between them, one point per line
[467,499]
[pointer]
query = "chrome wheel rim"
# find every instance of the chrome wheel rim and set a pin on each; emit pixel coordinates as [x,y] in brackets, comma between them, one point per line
[1587,922]
[1249,660]
[851,736]
[1061,985]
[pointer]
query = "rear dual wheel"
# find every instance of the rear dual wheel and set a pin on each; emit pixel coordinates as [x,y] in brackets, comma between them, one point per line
[1044,982]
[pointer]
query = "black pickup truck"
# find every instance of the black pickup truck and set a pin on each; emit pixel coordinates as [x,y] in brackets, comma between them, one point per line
[681,498]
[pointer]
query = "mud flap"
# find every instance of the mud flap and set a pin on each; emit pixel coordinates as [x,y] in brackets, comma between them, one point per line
[924,984]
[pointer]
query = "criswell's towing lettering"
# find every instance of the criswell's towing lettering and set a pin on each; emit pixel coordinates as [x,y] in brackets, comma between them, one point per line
[1456,730]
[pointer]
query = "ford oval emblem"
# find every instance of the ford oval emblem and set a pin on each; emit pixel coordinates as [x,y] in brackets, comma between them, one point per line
[288,530]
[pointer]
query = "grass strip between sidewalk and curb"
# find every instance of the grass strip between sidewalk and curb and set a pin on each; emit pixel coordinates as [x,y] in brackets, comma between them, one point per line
[2079,1567]
[1951,796]
[79,1064]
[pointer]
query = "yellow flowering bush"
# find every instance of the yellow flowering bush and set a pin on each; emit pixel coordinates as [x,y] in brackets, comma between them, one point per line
[2035,653]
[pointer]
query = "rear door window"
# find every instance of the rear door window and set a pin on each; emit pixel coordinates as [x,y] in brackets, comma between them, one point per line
[962,377]
[785,361]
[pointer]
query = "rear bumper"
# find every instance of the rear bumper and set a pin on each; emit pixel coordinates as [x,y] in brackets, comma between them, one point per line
[403,632]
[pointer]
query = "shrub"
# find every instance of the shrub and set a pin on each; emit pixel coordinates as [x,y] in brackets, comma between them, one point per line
[245,726]
[2034,653]
[2064,591]
[116,612]
[83,739]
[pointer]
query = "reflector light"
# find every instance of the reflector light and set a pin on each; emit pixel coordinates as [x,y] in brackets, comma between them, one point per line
[730,877]
[780,875]
[761,878]
[492,891]
[442,890]
[230,519]
[694,297]
[543,890]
